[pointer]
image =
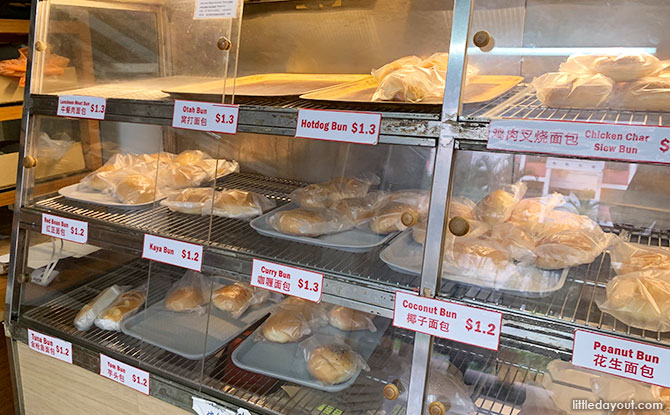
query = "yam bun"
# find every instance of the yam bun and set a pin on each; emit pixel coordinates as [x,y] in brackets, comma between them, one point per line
[332,364]
[232,297]
[184,299]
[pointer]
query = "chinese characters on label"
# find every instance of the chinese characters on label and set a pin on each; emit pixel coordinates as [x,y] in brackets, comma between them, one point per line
[621,142]
[50,346]
[349,127]
[173,252]
[205,116]
[63,228]
[287,280]
[81,107]
[627,358]
[124,374]
[470,325]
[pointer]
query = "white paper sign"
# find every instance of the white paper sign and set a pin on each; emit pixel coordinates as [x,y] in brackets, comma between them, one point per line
[64,228]
[173,252]
[627,358]
[215,9]
[345,126]
[77,106]
[439,318]
[50,346]
[595,140]
[205,116]
[205,407]
[124,374]
[287,280]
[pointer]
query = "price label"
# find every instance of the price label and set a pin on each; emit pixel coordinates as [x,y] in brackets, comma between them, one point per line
[63,228]
[595,140]
[205,407]
[439,318]
[345,126]
[77,106]
[621,357]
[173,252]
[287,280]
[205,116]
[50,346]
[124,374]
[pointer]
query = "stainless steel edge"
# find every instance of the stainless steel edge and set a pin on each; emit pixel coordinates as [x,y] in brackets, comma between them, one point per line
[440,194]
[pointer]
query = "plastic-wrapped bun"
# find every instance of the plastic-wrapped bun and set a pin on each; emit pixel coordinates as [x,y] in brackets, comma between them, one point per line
[311,223]
[325,194]
[497,206]
[570,90]
[189,293]
[476,229]
[411,84]
[359,209]
[570,247]
[625,68]
[439,61]
[239,204]
[615,389]
[88,313]
[331,361]
[629,257]
[402,209]
[350,320]
[189,157]
[639,299]
[292,320]
[190,200]
[528,213]
[98,180]
[135,189]
[381,73]
[518,243]
[463,207]
[123,307]
[238,297]
[646,94]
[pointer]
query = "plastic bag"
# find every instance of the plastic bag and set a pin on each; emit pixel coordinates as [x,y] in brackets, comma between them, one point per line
[622,391]
[519,244]
[325,194]
[51,151]
[476,229]
[189,157]
[528,213]
[238,297]
[359,209]
[629,257]
[570,90]
[189,293]
[292,320]
[310,223]
[445,385]
[123,307]
[463,207]
[88,313]
[134,188]
[497,206]
[347,319]
[566,382]
[411,84]
[619,68]
[646,94]
[639,299]
[570,247]
[237,204]
[190,200]
[538,401]
[330,360]
[399,211]
[381,73]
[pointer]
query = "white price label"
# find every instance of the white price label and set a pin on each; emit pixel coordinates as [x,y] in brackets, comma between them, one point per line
[173,252]
[77,106]
[215,9]
[439,318]
[287,280]
[124,374]
[50,346]
[63,228]
[205,116]
[585,139]
[205,407]
[345,126]
[626,358]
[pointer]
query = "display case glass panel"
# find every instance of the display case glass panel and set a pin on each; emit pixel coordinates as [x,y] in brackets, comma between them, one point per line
[572,67]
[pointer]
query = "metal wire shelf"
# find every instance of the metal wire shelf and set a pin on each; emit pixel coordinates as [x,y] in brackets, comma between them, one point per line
[493,378]
[236,235]
[575,302]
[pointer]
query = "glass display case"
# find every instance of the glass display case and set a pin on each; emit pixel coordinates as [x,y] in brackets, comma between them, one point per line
[262,270]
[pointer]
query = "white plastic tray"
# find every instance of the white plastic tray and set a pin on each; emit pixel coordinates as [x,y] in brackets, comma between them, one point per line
[105,199]
[405,255]
[183,333]
[353,240]
[286,360]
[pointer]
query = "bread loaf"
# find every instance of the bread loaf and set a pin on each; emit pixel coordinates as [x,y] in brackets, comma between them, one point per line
[124,306]
[569,90]
[232,298]
[394,217]
[332,364]
[350,320]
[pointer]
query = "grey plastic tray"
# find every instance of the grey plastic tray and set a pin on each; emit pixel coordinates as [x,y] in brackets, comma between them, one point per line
[184,333]
[285,360]
[405,255]
[353,240]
